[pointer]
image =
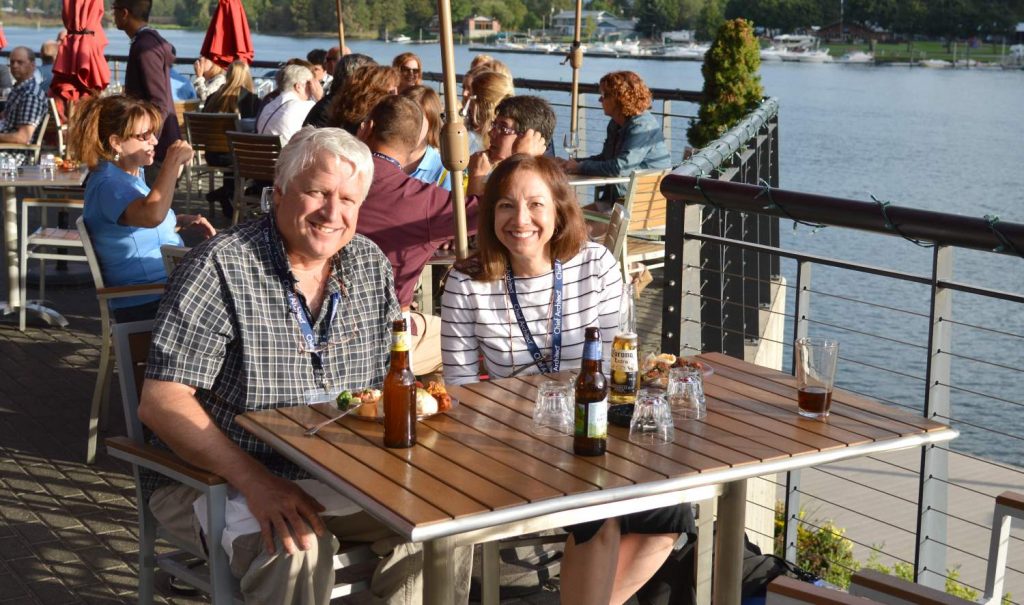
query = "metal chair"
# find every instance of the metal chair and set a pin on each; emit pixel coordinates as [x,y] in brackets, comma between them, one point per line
[645,207]
[894,591]
[255,158]
[207,134]
[131,343]
[101,392]
[45,243]
[172,256]
[32,148]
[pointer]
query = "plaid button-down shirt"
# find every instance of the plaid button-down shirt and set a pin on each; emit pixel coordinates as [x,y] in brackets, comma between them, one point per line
[226,328]
[25,105]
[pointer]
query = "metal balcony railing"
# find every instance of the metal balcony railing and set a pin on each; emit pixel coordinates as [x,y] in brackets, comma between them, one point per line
[928,340]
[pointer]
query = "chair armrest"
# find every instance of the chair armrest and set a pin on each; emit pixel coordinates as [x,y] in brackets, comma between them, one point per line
[159,460]
[52,202]
[884,588]
[785,589]
[18,146]
[1014,501]
[105,294]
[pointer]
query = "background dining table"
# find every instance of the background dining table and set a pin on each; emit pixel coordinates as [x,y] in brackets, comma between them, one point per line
[478,474]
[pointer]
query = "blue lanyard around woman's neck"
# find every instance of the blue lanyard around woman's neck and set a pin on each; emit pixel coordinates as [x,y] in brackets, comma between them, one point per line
[556,320]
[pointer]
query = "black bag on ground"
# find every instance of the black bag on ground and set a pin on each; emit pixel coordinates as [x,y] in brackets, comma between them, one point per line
[759,570]
[522,570]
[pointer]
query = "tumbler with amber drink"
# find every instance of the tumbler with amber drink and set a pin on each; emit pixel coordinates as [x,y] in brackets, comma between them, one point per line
[815,375]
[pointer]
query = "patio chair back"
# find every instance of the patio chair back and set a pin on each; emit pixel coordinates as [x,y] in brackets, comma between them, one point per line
[254,157]
[101,393]
[207,134]
[183,107]
[172,256]
[645,202]
[131,347]
[615,236]
[35,143]
[894,591]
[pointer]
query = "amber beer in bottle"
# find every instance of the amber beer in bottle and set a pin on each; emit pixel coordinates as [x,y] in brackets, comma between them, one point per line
[625,364]
[591,434]
[399,392]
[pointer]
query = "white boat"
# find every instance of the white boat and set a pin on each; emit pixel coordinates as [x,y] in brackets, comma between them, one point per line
[857,57]
[602,49]
[812,56]
[935,63]
[401,39]
[693,52]
[772,53]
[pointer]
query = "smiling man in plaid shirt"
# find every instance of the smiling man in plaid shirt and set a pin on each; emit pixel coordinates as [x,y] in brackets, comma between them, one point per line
[294,307]
[26,104]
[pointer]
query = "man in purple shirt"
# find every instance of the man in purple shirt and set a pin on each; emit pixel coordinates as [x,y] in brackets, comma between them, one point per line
[147,72]
[407,218]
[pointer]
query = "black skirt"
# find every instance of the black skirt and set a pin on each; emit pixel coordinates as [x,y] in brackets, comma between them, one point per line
[668,520]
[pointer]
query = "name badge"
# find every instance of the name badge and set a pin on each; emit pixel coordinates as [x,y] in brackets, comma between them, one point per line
[321,396]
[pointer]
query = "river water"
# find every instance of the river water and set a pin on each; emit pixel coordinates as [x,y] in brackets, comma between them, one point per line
[943,140]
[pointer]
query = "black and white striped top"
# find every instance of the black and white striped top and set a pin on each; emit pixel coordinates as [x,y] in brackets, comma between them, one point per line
[477,317]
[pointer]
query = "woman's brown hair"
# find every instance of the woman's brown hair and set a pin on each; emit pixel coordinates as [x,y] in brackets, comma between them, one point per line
[360,93]
[491,258]
[96,119]
[628,90]
[430,103]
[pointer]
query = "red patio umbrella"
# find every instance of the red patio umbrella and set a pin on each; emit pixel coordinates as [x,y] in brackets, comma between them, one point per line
[80,66]
[228,38]
[3,38]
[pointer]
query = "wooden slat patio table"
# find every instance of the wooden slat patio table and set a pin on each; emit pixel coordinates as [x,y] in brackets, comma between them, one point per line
[478,474]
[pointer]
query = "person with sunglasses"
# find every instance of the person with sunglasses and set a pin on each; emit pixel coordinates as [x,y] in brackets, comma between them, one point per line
[116,137]
[410,68]
[522,124]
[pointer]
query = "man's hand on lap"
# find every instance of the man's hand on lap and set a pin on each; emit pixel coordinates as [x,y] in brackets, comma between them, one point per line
[281,507]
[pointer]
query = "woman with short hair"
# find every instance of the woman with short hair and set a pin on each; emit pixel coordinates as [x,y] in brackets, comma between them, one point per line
[634,138]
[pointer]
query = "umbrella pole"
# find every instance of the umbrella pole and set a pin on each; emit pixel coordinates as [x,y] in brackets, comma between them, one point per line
[576,61]
[341,29]
[454,137]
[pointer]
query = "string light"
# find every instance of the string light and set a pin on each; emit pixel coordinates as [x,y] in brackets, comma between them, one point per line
[891,226]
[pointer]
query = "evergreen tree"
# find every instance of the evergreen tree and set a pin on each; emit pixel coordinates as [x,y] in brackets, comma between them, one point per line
[732,87]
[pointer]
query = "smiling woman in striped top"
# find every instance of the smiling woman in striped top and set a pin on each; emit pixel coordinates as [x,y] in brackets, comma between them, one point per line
[532,287]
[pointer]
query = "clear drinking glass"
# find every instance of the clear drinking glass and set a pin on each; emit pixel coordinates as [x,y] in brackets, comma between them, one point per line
[686,393]
[652,421]
[815,374]
[571,144]
[266,199]
[47,166]
[552,411]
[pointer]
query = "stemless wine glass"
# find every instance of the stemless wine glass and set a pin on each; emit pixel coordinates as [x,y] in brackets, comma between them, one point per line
[686,393]
[552,412]
[266,199]
[571,143]
[652,421]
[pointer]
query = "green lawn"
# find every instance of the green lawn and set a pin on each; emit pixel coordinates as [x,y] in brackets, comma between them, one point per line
[921,50]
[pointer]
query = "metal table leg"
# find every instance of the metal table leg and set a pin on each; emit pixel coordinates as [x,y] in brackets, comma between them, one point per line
[438,572]
[728,578]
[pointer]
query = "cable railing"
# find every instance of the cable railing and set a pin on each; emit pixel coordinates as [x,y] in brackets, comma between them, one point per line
[938,344]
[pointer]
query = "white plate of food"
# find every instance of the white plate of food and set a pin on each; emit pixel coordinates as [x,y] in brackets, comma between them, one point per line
[431,399]
[654,369]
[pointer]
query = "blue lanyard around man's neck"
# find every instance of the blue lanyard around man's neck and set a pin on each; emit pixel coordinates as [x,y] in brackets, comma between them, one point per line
[556,321]
[297,306]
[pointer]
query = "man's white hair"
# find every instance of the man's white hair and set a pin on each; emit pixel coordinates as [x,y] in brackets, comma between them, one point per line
[294,74]
[307,144]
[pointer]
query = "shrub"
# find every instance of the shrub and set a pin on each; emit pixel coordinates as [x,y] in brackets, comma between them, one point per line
[823,550]
[732,87]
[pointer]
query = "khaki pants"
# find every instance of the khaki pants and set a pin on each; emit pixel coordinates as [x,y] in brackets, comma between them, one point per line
[306,577]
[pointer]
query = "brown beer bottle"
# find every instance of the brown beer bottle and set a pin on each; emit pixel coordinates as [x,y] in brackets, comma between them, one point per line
[399,392]
[591,434]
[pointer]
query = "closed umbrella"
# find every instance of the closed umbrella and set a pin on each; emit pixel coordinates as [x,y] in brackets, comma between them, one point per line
[576,61]
[228,38]
[454,137]
[3,38]
[341,29]
[80,68]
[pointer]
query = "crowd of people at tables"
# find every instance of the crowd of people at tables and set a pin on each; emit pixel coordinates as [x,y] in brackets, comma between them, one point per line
[296,305]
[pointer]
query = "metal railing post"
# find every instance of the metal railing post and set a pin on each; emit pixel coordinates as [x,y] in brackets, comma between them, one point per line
[930,554]
[672,295]
[801,324]
[666,125]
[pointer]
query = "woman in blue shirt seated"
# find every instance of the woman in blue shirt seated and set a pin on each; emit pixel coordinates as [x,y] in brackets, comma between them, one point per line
[127,221]
[634,141]
[428,167]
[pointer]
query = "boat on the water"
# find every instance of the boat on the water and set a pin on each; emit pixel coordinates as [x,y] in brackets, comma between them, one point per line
[401,39]
[935,63]
[857,57]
